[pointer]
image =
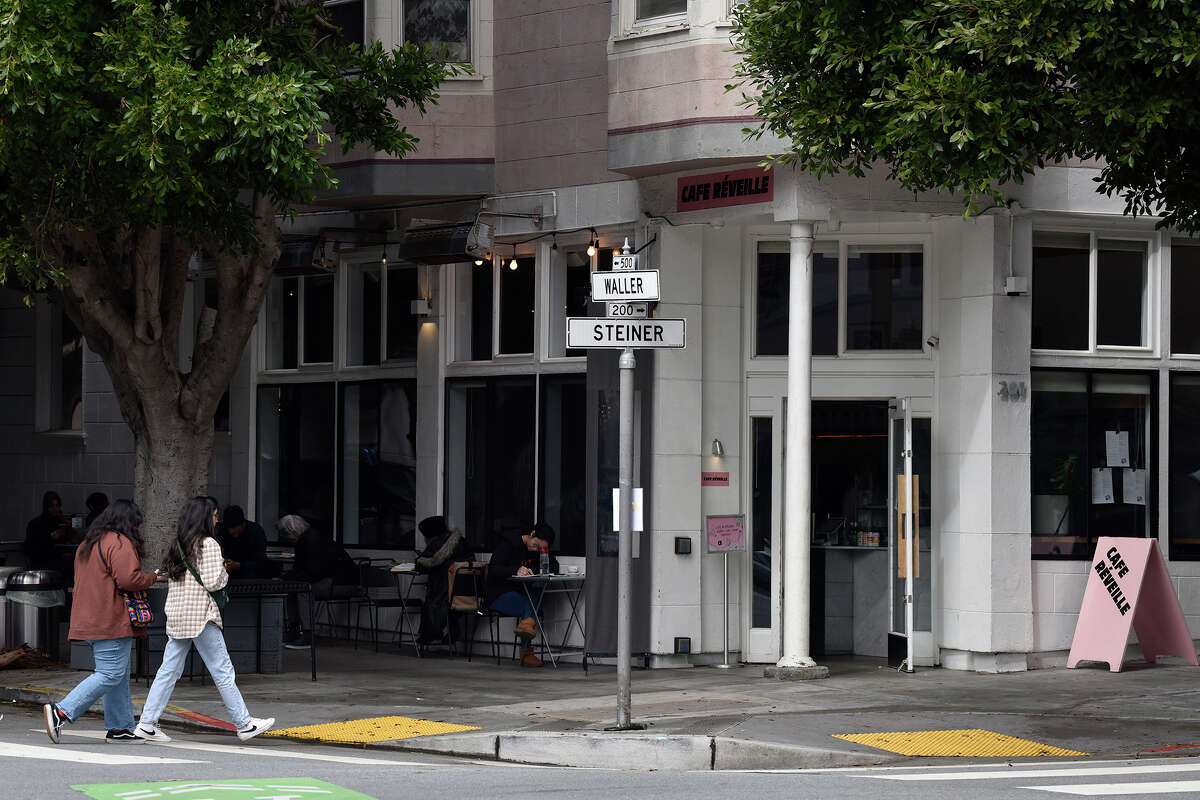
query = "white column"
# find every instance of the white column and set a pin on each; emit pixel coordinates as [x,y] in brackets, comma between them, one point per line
[797,492]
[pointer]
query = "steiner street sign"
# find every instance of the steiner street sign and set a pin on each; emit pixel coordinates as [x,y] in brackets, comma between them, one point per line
[621,333]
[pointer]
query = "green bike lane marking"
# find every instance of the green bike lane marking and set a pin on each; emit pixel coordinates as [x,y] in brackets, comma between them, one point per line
[252,789]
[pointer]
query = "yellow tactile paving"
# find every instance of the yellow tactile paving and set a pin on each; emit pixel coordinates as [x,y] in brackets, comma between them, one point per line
[967,742]
[375,729]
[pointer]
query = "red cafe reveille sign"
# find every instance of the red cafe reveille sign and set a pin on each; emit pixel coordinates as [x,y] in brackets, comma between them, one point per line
[719,189]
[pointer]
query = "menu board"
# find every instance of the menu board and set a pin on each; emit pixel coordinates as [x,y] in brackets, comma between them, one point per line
[725,534]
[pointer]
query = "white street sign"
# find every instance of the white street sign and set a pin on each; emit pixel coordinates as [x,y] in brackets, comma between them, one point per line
[621,333]
[628,310]
[624,262]
[627,285]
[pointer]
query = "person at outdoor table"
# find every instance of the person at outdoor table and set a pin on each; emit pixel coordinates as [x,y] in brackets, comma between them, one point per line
[321,562]
[244,544]
[96,502]
[44,532]
[518,554]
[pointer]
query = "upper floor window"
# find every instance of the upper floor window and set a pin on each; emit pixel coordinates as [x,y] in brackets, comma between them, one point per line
[439,23]
[650,9]
[379,318]
[1090,293]
[494,308]
[1185,296]
[348,16]
[300,317]
[59,371]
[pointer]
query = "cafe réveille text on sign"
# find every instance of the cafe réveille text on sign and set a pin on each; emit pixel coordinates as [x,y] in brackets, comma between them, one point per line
[720,189]
[1129,587]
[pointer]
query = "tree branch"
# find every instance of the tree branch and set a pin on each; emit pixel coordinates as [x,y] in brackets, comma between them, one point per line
[147,281]
[174,289]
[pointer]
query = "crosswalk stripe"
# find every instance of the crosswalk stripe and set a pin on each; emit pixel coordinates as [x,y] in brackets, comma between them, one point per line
[265,750]
[1103,789]
[107,758]
[1057,772]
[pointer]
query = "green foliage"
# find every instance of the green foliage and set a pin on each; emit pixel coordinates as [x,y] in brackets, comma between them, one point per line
[128,115]
[969,95]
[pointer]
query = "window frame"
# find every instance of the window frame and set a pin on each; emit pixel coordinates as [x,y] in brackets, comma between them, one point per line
[844,242]
[363,5]
[303,366]
[474,26]
[631,26]
[1151,304]
[48,319]
[351,266]
[1168,275]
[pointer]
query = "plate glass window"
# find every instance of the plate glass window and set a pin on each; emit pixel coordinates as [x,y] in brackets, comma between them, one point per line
[296,429]
[516,306]
[1060,291]
[772,284]
[1121,286]
[1185,297]
[884,297]
[318,319]
[378,463]
[440,23]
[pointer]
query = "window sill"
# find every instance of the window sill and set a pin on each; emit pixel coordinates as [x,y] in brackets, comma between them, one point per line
[645,31]
[1120,352]
[63,435]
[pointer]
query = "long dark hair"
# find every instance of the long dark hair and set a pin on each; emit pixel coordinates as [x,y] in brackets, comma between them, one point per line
[123,517]
[195,523]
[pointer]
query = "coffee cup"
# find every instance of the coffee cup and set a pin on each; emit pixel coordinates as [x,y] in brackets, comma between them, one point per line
[572,569]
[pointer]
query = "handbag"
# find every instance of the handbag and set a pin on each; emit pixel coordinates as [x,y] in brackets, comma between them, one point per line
[220,596]
[137,604]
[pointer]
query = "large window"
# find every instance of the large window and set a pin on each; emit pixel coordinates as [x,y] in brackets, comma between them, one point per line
[59,371]
[516,306]
[300,315]
[1184,481]
[494,308]
[879,306]
[378,479]
[440,23]
[347,15]
[1092,464]
[1090,293]
[570,288]
[502,435]
[649,9]
[1185,296]
[296,432]
[379,319]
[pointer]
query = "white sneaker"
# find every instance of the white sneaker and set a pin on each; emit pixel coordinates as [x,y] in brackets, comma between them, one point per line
[255,727]
[151,733]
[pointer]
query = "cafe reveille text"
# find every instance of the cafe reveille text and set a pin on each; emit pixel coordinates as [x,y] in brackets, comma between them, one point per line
[724,189]
[1115,564]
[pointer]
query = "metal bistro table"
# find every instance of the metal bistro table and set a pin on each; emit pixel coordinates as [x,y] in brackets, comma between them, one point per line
[569,584]
[258,588]
[406,602]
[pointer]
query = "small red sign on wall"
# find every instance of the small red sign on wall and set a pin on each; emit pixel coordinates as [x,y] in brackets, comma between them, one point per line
[719,189]
[714,478]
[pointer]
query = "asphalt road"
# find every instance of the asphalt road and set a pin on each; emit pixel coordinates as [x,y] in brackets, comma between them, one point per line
[214,767]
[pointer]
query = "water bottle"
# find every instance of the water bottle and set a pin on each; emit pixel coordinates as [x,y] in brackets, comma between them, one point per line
[544,561]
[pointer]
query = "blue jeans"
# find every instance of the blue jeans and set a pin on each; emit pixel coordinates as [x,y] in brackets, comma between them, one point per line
[110,681]
[210,644]
[516,604]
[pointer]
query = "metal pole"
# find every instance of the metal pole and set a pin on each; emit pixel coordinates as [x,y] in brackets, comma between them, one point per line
[625,542]
[725,619]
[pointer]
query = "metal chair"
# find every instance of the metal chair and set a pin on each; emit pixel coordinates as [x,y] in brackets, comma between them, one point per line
[375,574]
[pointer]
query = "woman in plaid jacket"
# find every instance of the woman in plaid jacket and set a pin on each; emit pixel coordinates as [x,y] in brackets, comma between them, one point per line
[194,619]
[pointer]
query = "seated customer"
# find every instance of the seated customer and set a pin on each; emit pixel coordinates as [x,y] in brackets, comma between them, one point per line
[518,554]
[321,562]
[96,502]
[44,532]
[244,545]
[442,546]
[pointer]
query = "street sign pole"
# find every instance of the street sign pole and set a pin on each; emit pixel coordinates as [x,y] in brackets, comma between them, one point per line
[625,543]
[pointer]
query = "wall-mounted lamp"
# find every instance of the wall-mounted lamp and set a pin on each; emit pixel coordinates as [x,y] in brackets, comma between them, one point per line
[593,240]
[718,449]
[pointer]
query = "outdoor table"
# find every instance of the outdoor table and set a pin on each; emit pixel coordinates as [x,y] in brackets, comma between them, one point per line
[415,578]
[258,588]
[569,584]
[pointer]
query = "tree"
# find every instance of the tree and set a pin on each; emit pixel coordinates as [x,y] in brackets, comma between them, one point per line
[969,95]
[136,133]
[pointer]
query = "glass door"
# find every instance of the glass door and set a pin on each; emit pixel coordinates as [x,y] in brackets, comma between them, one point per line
[762,597]
[910,636]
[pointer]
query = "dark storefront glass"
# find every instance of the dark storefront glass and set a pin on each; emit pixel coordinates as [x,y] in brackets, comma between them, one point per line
[1185,297]
[481,311]
[516,306]
[771,295]
[296,430]
[1090,465]
[1184,467]
[378,476]
[283,322]
[1120,293]
[401,322]
[884,298]
[366,315]
[760,530]
[563,469]
[1060,291]
[318,319]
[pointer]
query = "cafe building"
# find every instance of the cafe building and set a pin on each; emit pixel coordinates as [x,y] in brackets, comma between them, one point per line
[924,421]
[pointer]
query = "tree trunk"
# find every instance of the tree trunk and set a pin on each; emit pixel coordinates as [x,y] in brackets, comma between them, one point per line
[171,467]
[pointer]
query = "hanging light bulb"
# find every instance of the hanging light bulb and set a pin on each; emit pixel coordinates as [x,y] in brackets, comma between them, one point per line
[383,258]
[513,264]
[591,250]
[479,262]
[616,251]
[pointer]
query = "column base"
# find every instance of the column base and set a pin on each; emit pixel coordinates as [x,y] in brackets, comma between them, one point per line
[815,672]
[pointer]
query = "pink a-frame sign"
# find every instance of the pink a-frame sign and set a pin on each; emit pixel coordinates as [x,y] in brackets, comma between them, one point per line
[1129,587]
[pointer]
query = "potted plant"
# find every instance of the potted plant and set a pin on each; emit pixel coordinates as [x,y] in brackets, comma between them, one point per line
[1051,512]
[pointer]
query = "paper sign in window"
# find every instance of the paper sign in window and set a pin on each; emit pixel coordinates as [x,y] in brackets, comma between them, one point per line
[1116,447]
[1102,486]
[1133,486]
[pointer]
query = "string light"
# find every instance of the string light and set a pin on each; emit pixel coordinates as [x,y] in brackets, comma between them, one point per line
[383,258]
[513,264]
[592,241]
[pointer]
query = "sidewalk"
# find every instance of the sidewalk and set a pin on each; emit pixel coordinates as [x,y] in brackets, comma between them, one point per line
[696,718]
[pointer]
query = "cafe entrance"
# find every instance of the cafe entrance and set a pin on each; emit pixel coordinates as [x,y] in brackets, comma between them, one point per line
[871,546]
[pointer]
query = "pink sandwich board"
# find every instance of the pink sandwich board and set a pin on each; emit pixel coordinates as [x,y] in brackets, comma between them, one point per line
[1128,586]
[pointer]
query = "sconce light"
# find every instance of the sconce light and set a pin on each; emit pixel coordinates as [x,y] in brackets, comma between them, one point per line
[513,264]
[592,241]
[718,449]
